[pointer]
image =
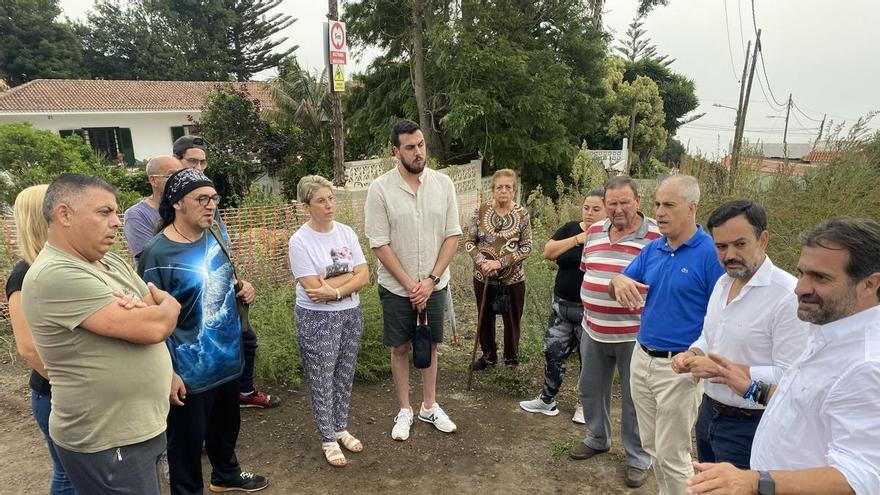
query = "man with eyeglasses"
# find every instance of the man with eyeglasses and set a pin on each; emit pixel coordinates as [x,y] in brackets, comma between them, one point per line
[187,258]
[142,216]
[191,151]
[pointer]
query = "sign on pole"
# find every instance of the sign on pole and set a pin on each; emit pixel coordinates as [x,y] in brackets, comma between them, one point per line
[339,78]
[338,48]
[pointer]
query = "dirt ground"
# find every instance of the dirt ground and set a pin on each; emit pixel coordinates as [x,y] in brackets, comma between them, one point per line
[498,448]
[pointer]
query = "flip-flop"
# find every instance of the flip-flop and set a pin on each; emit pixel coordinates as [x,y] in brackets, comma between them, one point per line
[348,440]
[333,454]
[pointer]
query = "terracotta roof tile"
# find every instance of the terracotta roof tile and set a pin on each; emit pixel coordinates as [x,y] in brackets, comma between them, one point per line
[71,95]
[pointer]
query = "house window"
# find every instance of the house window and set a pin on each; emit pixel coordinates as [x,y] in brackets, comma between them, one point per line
[179,131]
[109,141]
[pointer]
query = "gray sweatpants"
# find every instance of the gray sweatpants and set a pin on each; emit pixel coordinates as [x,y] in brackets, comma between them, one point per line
[328,344]
[126,470]
[597,376]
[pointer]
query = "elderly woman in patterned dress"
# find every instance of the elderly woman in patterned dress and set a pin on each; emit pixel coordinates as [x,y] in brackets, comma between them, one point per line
[499,240]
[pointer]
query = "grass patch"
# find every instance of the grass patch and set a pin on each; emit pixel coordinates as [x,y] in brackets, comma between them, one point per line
[560,449]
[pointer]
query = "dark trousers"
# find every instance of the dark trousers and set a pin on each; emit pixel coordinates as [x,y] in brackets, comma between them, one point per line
[511,319]
[210,417]
[563,337]
[249,345]
[125,470]
[724,438]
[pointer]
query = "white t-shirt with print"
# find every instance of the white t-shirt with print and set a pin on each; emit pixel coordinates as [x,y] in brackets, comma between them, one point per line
[326,255]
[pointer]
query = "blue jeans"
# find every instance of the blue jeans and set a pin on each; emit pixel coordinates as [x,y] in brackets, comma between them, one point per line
[724,438]
[41,405]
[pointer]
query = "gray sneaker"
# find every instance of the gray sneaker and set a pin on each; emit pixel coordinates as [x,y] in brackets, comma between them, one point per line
[537,405]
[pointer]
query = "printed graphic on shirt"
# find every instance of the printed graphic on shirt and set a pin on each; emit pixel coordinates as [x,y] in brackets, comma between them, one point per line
[343,261]
[206,345]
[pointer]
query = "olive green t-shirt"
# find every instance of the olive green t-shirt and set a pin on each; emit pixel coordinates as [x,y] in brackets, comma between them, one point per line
[106,392]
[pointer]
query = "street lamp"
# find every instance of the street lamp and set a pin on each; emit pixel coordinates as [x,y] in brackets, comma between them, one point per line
[724,106]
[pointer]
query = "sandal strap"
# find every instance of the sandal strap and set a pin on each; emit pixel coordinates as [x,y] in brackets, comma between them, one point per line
[332,451]
[348,440]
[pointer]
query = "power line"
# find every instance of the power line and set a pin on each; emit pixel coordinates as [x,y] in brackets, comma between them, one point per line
[775,108]
[729,47]
[804,114]
[742,36]
[761,53]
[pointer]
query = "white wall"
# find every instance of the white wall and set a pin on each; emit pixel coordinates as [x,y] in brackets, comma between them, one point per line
[150,132]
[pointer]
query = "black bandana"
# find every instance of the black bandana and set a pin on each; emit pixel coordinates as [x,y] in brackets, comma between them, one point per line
[182,182]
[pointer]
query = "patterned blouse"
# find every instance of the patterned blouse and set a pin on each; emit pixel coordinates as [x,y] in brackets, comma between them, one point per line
[506,238]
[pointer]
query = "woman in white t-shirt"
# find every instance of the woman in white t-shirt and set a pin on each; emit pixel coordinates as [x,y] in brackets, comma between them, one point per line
[329,267]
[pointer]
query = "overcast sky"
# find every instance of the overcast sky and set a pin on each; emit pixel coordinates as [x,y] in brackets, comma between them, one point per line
[824,53]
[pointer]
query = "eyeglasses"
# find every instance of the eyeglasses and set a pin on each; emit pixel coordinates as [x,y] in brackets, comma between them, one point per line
[196,162]
[166,176]
[204,199]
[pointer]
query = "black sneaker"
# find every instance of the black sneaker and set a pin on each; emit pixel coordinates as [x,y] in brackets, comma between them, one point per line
[246,482]
[481,364]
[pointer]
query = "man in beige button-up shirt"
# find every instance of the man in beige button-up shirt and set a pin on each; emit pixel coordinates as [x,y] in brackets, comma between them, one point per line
[413,227]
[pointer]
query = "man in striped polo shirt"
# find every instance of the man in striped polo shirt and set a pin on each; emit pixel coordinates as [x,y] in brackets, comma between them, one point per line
[610,329]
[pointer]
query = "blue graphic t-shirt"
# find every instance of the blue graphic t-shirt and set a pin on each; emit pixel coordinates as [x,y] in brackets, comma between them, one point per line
[206,345]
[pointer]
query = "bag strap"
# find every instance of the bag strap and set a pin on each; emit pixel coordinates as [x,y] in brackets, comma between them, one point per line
[215,231]
[422,315]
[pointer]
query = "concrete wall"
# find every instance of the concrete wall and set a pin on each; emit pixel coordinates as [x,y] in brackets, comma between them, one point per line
[150,131]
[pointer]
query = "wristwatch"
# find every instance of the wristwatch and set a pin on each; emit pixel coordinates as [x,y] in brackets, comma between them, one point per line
[434,279]
[766,485]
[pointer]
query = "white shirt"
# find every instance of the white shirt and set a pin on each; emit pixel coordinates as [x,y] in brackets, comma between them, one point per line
[759,328]
[325,254]
[826,409]
[413,224]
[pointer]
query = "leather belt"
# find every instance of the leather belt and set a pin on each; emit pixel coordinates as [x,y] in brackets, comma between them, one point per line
[658,354]
[734,412]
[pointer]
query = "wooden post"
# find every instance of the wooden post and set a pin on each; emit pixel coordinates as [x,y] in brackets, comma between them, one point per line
[785,132]
[336,101]
[741,119]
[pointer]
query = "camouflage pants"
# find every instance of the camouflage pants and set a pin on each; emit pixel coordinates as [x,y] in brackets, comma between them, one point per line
[562,338]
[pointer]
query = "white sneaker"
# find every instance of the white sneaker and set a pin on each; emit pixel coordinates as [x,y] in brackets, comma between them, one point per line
[402,422]
[537,405]
[437,417]
[579,415]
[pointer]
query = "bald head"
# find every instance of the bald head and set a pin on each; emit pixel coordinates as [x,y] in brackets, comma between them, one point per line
[159,168]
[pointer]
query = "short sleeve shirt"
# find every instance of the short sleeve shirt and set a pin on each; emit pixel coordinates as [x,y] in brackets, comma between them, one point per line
[326,255]
[570,275]
[138,227]
[413,224]
[106,392]
[206,344]
[680,282]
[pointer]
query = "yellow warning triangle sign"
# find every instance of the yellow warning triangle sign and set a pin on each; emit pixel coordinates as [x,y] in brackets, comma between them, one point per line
[338,75]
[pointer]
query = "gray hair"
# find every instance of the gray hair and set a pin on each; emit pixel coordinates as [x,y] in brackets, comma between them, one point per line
[309,185]
[69,188]
[687,185]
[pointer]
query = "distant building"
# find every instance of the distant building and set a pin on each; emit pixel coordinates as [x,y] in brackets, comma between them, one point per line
[132,120]
[770,158]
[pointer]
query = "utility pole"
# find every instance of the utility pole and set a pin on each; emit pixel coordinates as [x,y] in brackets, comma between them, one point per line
[734,153]
[336,101]
[785,133]
[743,113]
[821,128]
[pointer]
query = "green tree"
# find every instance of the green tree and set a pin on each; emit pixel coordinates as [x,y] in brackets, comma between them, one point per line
[302,104]
[33,44]
[637,45]
[183,39]
[639,114]
[241,144]
[30,156]
[516,81]
[677,91]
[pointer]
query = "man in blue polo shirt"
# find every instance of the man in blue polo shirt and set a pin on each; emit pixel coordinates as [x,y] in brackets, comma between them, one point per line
[672,278]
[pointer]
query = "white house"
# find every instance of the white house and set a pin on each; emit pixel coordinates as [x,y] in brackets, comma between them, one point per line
[138,119]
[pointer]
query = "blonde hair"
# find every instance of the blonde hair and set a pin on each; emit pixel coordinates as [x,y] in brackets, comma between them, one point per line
[504,172]
[30,225]
[309,185]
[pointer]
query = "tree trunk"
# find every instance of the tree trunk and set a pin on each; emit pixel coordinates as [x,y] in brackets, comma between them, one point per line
[426,121]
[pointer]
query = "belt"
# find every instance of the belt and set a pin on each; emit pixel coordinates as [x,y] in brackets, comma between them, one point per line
[734,412]
[658,354]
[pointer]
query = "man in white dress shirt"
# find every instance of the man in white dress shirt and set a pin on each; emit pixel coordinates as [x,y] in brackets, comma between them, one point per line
[821,431]
[751,319]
